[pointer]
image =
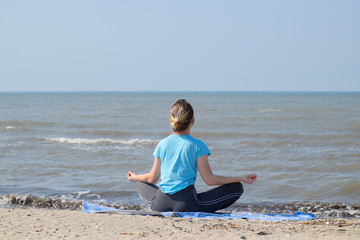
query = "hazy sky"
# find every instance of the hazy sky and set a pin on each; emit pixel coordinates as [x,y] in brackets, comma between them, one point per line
[164,45]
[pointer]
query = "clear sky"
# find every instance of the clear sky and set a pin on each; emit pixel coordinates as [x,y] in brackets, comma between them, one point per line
[187,45]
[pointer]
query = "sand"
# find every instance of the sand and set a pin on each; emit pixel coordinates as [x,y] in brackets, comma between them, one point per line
[30,223]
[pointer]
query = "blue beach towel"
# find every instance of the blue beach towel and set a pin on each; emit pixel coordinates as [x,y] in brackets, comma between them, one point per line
[251,216]
[297,216]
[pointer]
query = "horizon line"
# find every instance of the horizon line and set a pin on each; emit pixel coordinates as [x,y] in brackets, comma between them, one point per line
[184,91]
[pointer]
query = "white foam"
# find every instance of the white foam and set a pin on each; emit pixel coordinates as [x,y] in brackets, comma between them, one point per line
[79,194]
[266,110]
[89,141]
[10,127]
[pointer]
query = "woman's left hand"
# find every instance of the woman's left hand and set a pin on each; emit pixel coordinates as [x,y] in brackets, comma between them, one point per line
[131,176]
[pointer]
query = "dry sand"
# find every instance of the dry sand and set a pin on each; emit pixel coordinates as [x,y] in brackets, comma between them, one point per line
[33,223]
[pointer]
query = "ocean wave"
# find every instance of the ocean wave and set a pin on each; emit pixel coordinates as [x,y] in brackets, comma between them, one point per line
[354,128]
[103,133]
[11,124]
[91,141]
[269,110]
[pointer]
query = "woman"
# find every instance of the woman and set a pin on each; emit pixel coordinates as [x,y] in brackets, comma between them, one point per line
[177,158]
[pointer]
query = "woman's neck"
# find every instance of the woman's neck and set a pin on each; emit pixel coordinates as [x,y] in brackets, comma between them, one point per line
[185,132]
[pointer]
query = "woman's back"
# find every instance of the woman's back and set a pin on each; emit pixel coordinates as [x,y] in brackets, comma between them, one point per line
[178,155]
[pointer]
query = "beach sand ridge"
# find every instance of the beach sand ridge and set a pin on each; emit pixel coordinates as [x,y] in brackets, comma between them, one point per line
[31,223]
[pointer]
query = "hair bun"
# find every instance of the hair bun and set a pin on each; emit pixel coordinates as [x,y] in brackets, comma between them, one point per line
[181,114]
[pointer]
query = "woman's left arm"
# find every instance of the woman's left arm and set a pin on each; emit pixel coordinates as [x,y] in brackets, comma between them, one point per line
[212,179]
[150,177]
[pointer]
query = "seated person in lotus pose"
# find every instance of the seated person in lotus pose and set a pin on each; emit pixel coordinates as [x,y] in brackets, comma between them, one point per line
[177,158]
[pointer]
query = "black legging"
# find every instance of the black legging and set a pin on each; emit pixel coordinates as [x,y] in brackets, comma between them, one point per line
[187,200]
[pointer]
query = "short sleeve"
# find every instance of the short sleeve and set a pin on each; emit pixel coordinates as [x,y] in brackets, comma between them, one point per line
[157,151]
[202,149]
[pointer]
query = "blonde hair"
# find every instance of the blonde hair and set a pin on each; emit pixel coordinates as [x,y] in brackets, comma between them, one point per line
[181,114]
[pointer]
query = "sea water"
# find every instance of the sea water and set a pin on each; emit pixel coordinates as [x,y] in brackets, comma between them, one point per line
[57,149]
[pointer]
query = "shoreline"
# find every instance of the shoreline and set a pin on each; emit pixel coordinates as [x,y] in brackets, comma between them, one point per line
[321,210]
[35,223]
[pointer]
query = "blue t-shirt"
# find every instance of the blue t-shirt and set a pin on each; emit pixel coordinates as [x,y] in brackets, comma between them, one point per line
[178,155]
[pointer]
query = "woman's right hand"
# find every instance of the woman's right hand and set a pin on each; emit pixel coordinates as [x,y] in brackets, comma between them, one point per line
[250,178]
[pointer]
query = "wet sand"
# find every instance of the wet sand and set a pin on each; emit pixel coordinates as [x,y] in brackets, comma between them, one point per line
[31,223]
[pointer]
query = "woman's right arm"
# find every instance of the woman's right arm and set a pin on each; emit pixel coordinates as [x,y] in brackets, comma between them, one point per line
[150,177]
[212,179]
